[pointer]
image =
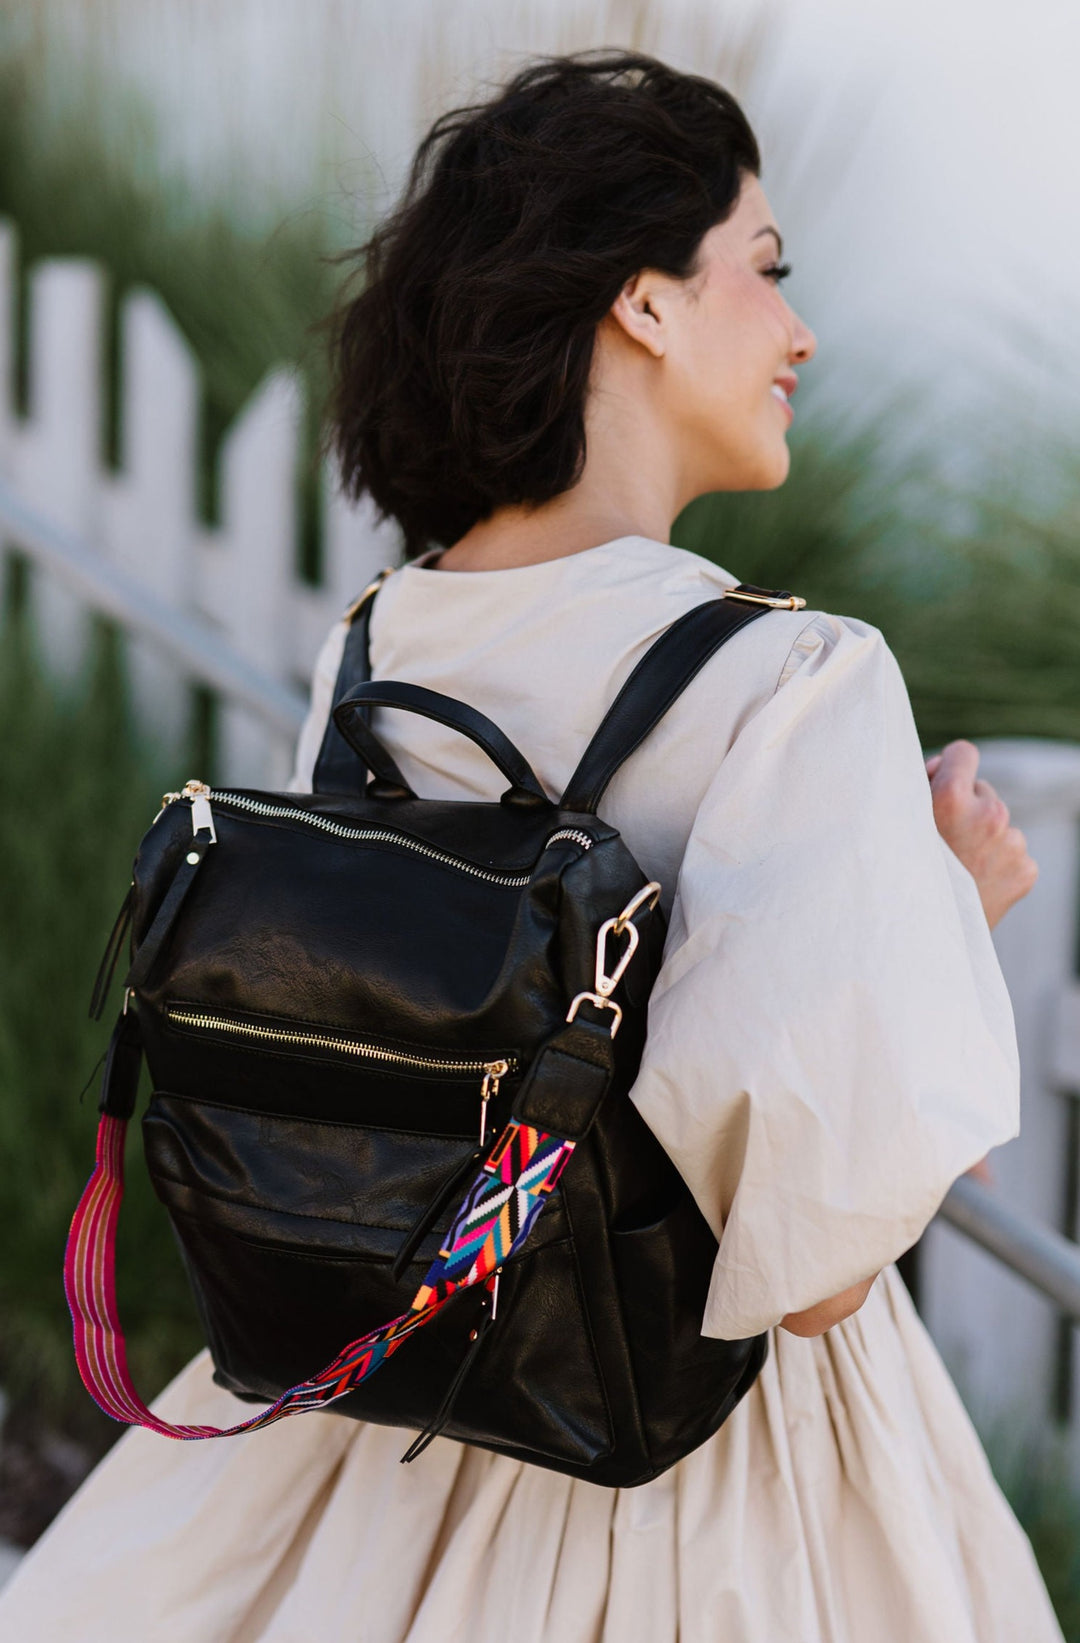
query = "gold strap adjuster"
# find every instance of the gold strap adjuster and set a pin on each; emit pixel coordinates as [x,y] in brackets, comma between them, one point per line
[369,592]
[776,598]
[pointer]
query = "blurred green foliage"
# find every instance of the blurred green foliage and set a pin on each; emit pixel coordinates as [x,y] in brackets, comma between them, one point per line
[975,583]
[1035,1477]
[79,791]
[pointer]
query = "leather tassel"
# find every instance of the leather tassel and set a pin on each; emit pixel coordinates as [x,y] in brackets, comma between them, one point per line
[454,1183]
[165,917]
[107,967]
[442,1415]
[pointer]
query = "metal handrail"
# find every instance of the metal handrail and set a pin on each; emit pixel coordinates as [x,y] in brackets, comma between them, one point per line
[1045,1258]
[192,642]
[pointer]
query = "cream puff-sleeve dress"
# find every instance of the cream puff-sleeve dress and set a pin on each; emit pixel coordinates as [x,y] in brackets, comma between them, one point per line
[830,1045]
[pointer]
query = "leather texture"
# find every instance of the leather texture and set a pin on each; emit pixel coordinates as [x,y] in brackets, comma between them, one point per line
[658,680]
[123,1066]
[337,768]
[164,918]
[348,715]
[325,989]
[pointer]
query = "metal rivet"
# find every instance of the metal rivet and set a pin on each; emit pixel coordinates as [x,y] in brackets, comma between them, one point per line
[193,858]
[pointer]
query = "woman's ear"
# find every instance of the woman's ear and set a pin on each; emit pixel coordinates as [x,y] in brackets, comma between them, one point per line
[641,312]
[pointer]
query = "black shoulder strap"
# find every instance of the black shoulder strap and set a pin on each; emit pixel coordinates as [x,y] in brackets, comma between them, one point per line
[660,677]
[338,768]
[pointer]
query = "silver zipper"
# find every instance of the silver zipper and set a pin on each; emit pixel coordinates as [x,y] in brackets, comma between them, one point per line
[199,793]
[203,1020]
[493,1072]
[573,833]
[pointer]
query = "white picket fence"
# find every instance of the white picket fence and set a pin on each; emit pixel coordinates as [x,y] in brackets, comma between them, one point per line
[236,584]
[226,606]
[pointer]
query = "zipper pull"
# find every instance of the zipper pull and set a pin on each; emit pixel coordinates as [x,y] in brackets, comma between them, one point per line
[493,1072]
[201,814]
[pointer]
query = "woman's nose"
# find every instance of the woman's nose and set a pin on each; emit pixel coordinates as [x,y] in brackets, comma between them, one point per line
[804,343]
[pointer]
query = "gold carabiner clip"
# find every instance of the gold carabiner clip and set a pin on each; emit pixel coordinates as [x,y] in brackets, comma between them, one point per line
[605,981]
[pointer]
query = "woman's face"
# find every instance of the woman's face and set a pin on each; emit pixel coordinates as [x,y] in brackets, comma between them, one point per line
[726,343]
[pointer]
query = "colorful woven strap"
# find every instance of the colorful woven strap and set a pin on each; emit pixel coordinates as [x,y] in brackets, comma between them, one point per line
[493,1222]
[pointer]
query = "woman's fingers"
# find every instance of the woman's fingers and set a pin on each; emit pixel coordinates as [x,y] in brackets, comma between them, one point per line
[959,762]
[973,820]
[1026,868]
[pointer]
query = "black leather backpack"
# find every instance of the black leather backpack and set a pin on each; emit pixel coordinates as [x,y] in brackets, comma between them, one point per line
[384,1034]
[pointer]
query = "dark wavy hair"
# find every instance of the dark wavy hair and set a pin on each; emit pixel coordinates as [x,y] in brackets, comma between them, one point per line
[461,364]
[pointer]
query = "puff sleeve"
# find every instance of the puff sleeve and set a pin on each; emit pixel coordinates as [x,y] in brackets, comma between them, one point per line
[830,1041]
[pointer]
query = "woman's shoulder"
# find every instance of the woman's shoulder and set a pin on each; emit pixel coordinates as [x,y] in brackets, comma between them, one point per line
[815,646]
[597,612]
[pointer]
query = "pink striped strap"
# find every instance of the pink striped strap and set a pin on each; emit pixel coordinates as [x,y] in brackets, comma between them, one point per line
[495,1218]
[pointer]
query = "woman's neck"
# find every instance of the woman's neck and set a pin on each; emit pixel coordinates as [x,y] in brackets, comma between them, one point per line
[635,480]
[517,536]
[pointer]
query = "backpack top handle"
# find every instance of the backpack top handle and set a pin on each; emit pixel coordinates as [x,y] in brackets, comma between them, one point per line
[349,717]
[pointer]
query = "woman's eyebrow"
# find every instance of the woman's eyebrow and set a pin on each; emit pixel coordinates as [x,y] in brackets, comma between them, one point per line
[769,229]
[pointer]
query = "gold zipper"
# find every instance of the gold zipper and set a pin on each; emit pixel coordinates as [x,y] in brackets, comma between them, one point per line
[202,817]
[204,1020]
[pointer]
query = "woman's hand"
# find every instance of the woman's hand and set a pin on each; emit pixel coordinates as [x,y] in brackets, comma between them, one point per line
[974,822]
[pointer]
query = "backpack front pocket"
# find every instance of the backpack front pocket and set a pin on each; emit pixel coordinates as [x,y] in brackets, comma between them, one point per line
[687,1383]
[290,1258]
[284,1067]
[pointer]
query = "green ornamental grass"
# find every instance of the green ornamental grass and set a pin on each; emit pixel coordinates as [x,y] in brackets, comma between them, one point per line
[78,793]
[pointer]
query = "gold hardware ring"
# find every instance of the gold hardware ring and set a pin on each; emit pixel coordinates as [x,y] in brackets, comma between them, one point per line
[650,893]
[358,603]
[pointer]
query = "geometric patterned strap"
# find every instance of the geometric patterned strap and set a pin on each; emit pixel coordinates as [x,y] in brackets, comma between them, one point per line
[494,1220]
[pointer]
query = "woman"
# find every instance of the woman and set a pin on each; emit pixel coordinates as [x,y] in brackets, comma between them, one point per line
[571,328]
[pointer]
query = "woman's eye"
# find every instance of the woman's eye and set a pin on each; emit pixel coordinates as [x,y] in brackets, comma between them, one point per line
[777,271]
